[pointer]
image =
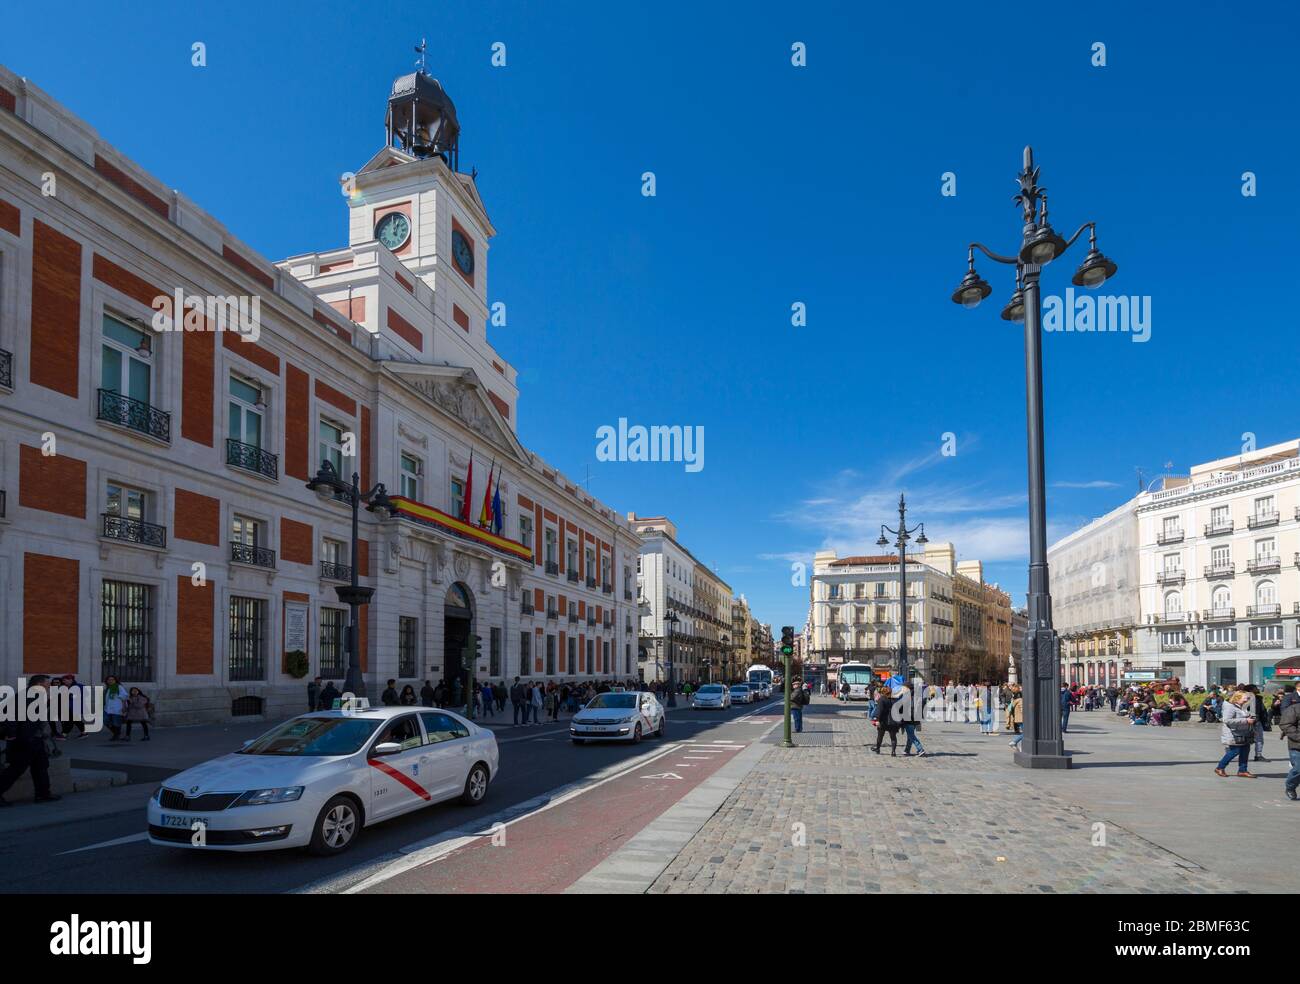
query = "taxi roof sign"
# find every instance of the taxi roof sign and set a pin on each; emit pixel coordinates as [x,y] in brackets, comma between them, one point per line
[350,703]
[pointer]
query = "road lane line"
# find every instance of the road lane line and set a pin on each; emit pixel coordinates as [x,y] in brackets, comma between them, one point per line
[432,849]
[128,839]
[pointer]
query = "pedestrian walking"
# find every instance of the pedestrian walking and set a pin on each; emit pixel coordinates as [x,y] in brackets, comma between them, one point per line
[911,721]
[886,722]
[313,694]
[139,710]
[1067,701]
[535,703]
[1016,718]
[488,699]
[1290,727]
[114,706]
[1262,722]
[389,697]
[328,694]
[798,698]
[1237,733]
[517,698]
[26,747]
[427,694]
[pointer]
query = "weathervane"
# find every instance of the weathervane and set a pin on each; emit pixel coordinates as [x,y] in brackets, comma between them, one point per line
[420,50]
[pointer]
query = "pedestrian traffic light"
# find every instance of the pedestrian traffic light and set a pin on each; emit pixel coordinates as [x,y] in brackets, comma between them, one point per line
[473,651]
[787,640]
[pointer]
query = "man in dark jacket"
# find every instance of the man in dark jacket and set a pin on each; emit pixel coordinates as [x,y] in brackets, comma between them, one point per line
[25,749]
[427,694]
[313,694]
[1067,699]
[329,693]
[518,699]
[1290,725]
[389,696]
[886,722]
[798,698]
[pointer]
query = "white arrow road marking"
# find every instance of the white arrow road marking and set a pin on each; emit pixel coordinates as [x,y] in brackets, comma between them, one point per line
[113,843]
[664,775]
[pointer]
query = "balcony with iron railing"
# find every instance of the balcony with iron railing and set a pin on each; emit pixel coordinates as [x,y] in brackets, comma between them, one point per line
[525,607]
[607,589]
[133,531]
[1219,615]
[552,567]
[1218,529]
[1169,536]
[134,415]
[1264,611]
[250,457]
[591,583]
[1220,570]
[627,594]
[331,571]
[1262,565]
[573,618]
[1171,577]
[591,619]
[572,575]
[1260,520]
[6,369]
[552,613]
[245,553]
[1170,618]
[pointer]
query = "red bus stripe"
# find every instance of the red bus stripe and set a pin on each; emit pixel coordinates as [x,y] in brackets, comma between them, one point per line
[401,777]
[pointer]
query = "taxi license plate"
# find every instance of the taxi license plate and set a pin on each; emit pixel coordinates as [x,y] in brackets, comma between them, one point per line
[170,820]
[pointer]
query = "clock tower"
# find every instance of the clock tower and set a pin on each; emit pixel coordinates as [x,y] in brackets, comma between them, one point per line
[414,272]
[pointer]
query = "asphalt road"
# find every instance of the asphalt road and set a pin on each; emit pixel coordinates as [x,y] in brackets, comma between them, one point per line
[538,765]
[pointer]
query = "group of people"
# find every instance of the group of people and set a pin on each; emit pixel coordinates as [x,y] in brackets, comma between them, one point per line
[1245,716]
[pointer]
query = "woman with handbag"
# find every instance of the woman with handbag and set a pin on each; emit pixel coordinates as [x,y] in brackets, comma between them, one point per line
[138,707]
[1238,733]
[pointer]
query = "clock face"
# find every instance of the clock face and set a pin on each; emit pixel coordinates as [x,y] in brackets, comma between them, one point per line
[462,252]
[393,230]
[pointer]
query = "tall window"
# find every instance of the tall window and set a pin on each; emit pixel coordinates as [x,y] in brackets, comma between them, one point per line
[573,656]
[124,503]
[1171,526]
[1221,600]
[1264,507]
[1173,563]
[457,496]
[1265,549]
[627,657]
[1219,517]
[550,544]
[126,360]
[494,652]
[331,444]
[333,642]
[246,531]
[244,408]
[571,553]
[1173,604]
[1221,557]
[591,657]
[1265,594]
[526,530]
[525,653]
[408,646]
[126,637]
[550,655]
[411,470]
[247,638]
[605,666]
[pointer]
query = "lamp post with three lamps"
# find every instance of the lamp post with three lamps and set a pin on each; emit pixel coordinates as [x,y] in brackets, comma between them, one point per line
[902,535]
[1043,747]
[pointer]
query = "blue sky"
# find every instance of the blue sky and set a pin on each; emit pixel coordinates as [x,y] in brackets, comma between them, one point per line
[778,185]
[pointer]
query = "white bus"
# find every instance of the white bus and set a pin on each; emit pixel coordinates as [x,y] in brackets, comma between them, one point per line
[860,677]
[762,675]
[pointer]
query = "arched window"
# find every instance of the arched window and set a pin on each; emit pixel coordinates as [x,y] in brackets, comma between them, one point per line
[1221,599]
[1173,603]
[1265,593]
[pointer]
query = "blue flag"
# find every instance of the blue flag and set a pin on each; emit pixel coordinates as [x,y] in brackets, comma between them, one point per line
[496,508]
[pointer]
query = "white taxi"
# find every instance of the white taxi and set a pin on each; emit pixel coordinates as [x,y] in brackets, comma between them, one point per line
[613,716]
[315,780]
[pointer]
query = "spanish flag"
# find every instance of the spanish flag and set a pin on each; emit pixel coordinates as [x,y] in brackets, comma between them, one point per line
[485,514]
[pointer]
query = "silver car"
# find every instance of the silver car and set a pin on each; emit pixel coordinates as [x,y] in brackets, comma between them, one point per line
[614,716]
[711,695]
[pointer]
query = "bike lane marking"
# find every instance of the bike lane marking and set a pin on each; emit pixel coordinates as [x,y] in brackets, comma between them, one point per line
[548,850]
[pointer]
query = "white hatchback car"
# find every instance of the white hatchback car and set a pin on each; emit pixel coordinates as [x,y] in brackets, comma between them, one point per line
[740,693]
[614,716]
[315,780]
[711,695]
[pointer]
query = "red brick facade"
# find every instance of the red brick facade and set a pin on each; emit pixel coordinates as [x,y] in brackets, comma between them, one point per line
[56,310]
[51,593]
[197,518]
[56,483]
[195,626]
[295,542]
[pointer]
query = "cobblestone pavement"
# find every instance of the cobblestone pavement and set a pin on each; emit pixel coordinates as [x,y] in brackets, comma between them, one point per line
[831,816]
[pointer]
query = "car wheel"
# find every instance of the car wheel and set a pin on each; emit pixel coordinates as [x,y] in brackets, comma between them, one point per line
[636,734]
[336,827]
[663,723]
[476,785]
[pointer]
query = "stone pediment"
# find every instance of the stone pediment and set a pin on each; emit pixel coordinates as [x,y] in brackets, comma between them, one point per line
[456,391]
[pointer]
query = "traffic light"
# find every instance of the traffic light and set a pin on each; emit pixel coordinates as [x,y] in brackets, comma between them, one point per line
[473,651]
[787,640]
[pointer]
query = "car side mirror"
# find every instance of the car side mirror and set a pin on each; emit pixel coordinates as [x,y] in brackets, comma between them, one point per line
[386,748]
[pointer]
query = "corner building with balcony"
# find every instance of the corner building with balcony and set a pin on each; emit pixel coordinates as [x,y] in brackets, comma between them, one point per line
[154,518]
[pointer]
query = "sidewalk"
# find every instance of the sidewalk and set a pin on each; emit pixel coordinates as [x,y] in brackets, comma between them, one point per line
[831,816]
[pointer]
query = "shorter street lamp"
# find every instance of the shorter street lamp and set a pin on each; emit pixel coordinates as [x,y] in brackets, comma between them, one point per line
[329,485]
[670,623]
[902,536]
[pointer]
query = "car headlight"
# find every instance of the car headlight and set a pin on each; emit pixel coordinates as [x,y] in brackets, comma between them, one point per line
[263,797]
[157,795]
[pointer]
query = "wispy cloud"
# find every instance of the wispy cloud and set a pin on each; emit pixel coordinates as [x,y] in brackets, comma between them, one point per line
[1095,484]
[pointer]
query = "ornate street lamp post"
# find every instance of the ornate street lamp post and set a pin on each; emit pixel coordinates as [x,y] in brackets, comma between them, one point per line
[1043,747]
[329,485]
[670,623]
[902,536]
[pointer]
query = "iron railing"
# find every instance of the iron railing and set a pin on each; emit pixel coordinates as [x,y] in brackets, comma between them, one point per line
[136,415]
[6,369]
[252,458]
[1213,529]
[244,553]
[331,571]
[1172,536]
[133,531]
